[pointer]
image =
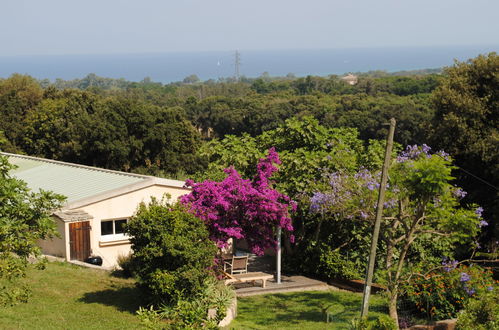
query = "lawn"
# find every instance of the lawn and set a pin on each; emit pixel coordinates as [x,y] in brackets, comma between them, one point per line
[66,296]
[303,310]
[71,297]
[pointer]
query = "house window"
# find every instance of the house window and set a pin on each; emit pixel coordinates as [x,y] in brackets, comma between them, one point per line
[113,229]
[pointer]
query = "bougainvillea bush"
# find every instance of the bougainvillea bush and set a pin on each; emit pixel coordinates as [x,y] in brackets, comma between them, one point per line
[442,293]
[242,208]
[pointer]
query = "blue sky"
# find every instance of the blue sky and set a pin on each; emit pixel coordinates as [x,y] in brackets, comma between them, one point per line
[33,27]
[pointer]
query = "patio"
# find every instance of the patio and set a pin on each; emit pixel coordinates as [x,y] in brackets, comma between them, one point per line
[288,284]
[266,264]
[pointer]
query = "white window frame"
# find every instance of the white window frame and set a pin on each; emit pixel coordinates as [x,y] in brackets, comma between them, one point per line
[113,236]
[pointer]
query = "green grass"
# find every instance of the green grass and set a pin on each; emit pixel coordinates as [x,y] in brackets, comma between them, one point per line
[65,296]
[303,310]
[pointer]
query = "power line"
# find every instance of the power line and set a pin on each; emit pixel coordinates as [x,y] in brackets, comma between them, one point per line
[478,178]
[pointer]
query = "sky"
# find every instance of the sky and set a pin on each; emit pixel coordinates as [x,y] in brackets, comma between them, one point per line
[59,27]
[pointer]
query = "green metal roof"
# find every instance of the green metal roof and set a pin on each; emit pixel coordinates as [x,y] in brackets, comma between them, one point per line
[76,182]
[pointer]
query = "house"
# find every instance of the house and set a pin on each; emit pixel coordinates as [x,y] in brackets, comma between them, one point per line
[350,79]
[99,203]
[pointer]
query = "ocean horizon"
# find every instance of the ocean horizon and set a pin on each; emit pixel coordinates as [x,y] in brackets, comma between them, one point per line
[175,66]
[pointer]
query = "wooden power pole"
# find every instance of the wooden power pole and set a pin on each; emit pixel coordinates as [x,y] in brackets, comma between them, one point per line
[377,223]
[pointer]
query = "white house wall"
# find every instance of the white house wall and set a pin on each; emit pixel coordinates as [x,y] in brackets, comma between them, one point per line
[57,245]
[122,206]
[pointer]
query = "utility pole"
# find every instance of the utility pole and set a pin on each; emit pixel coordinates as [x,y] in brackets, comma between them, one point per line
[377,223]
[237,64]
[278,256]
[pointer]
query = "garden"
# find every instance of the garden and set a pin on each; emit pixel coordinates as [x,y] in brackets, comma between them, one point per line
[315,186]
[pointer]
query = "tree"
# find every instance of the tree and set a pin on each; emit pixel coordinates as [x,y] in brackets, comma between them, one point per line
[242,209]
[304,147]
[466,124]
[192,79]
[25,218]
[422,220]
[18,95]
[120,133]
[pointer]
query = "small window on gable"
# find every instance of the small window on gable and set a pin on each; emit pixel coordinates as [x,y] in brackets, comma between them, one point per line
[113,229]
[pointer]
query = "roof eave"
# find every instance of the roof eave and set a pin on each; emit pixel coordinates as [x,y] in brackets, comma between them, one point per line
[152,181]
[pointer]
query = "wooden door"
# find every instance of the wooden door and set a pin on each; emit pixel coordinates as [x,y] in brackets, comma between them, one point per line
[79,240]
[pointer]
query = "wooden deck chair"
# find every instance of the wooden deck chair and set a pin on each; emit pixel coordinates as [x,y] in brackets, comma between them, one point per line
[238,265]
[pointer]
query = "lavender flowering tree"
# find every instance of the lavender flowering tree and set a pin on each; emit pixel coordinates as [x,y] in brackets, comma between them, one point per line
[241,208]
[422,209]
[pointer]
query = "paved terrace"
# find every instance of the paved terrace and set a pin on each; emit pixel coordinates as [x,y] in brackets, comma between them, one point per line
[266,264]
[288,284]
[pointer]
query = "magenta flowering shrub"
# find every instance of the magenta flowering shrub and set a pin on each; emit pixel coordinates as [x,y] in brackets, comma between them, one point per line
[241,208]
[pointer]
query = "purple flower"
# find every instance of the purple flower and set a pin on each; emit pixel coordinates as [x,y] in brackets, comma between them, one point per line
[479,211]
[459,193]
[469,291]
[231,206]
[449,265]
[490,288]
[464,277]
[363,215]
[443,154]
[317,202]
[426,149]
[390,204]
[371,185]
[413,152]
[404,322]
[483,223]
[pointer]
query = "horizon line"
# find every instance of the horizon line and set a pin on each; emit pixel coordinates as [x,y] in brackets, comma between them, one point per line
[253,50]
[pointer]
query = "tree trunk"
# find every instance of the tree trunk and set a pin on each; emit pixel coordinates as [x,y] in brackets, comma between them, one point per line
[392,307]
[317,231]
[287,245]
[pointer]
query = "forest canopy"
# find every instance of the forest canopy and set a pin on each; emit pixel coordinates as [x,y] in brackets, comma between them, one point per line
[159,129]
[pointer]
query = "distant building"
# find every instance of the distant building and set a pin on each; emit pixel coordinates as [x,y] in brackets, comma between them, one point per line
[350,79]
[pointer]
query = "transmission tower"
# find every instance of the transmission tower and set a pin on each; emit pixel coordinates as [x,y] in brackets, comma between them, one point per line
[237,64]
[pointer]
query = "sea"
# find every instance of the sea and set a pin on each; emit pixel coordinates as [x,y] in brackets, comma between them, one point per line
[175,66]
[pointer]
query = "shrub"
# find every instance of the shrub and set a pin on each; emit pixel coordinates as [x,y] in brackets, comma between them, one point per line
[480,314]
[172,252]
[442,294]
[191,313]
[324,262]
[127,264]
[380,323]
[383,322]
[358,324]
[334,265]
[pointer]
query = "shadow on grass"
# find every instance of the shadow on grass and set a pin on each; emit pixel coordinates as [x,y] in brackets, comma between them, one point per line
[123,298]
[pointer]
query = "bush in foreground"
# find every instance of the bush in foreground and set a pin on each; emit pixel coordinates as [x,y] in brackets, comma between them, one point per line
[480,314]
[172,252]
[442,293]
[194,313]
